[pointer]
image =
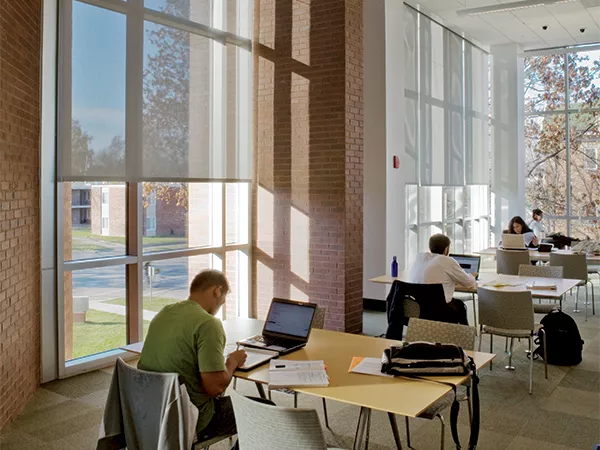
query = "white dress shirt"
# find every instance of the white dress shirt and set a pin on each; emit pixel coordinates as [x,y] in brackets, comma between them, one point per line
[538,229]
[431,268]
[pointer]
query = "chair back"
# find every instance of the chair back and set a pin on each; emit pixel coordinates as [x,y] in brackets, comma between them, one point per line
[527,270]
[508,261]
[509,310]
[442,332]
[574,265]
[266,427]
[319,318]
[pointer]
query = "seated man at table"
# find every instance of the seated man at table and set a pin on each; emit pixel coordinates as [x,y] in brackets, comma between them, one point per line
[435,267]
[187,338]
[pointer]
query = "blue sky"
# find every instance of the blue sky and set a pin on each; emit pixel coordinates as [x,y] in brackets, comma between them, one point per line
[99,48]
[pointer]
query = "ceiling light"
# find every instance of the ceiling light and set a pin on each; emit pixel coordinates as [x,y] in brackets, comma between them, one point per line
[506,7]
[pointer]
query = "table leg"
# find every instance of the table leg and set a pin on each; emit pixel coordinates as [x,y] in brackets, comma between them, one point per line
[261,390]
[394,425]
[363,418]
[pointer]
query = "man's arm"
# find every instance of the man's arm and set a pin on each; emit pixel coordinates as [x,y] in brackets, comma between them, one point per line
[215,383]
[461,277]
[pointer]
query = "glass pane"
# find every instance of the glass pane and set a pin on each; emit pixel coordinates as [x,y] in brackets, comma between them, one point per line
[95,220]
[237,274]
[430,204]
[545,164]
[95,315]
[238,213]
[544,83]
[585,172]
[166,282]
[555,226]
[98,93]
[182,215]
[584,79]
[585,229]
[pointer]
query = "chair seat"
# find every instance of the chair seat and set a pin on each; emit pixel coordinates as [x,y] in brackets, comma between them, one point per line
[544,308]
[593,269]
[510,333]
[443,403]
[203,444]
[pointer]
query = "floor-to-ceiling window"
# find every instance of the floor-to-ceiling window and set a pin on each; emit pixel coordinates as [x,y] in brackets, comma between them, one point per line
[447,137]
[154,163]
[562,139]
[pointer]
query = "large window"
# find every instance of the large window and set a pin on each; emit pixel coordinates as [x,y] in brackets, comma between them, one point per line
[155,163]
[562,138]
[447,137]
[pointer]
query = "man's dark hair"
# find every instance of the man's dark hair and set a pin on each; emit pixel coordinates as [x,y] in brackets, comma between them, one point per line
[537,212]
[438,243]
[207,279]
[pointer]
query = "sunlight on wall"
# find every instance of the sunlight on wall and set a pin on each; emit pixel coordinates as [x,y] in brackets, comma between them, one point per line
[265,288]
[297,294]
[265,221]
[301,31]
[299,244]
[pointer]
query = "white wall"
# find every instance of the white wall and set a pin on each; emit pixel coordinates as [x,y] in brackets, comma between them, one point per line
[508,155]
[384,201]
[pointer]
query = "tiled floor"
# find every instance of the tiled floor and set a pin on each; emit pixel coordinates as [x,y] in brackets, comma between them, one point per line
[563,412]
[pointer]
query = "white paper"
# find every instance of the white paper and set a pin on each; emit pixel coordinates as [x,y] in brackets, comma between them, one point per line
[286,365]
[254,356]
[370,366]
[286,378]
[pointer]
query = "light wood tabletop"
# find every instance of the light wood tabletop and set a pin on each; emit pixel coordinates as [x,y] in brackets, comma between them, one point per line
[534,255]
[404,396]
[517,283]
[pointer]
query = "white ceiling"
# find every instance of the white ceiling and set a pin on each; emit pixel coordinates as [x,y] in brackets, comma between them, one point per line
[524,26]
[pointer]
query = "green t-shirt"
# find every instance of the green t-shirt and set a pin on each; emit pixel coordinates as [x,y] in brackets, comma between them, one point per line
[183,338]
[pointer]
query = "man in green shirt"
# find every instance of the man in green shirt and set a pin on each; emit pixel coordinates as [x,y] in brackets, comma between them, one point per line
[187,339]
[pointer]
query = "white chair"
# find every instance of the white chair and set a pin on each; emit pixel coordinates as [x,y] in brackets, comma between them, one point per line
[509,314]
[575,267]
[267,427]
[528,270]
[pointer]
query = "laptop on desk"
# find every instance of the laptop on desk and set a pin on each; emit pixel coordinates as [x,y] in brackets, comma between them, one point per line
[469,263]
[286,328]
[513,242]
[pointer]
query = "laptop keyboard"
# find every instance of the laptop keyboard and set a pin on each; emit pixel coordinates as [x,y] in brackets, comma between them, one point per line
[286,343]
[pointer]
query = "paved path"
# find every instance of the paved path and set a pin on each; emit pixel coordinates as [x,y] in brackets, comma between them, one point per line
[118,309]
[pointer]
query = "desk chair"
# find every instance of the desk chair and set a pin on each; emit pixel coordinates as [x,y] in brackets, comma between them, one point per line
[317,323]
[509,261]
[509,314]
[575,267]
[528,270]
[267,427]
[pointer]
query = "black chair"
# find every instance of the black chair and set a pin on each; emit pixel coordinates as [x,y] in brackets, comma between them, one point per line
[402,301]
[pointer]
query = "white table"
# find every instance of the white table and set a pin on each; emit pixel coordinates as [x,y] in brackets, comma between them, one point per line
[534,255]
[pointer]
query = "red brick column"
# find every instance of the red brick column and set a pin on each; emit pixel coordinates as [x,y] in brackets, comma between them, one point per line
[308,193]
[20,55]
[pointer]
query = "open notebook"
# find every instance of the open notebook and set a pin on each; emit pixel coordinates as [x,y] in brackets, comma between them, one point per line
[283,373]
[255,356]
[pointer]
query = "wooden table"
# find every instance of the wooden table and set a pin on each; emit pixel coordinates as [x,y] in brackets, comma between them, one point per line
[534,255]
[403,396]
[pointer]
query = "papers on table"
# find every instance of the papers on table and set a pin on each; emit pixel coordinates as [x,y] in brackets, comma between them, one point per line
[500,284]
[367,366]
[255,356]
[283,373]
[542,286]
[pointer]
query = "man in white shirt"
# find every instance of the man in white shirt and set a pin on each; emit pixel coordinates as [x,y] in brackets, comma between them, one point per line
[536,225]
[436,267]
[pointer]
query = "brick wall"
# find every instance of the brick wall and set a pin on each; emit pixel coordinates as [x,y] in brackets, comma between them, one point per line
[171,219]
[307,242]
[20,53]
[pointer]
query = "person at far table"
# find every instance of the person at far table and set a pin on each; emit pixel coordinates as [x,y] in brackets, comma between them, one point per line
[518,226]
[435,267]
[186,338]
[536,225]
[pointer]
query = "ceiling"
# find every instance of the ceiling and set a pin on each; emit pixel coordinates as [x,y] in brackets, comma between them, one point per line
[523,26]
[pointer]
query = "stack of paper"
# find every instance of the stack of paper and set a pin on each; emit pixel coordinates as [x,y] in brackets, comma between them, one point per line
[541,286]
[367,366]
[283,373]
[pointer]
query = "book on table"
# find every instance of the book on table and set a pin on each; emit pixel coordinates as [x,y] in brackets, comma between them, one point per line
[290,374]
[542,286]
[254,356]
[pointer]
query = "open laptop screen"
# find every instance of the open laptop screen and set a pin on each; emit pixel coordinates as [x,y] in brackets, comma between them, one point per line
[293,319]
[469,263]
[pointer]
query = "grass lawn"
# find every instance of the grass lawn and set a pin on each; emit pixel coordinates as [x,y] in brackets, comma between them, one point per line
[156,304]
[85,233]
[89,247]
[101,331]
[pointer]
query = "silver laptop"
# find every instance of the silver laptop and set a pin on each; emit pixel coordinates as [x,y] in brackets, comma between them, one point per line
[513,242]
[286,328]
[469,263]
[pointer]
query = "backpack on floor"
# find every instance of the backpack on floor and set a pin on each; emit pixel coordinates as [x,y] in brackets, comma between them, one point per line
[564,341]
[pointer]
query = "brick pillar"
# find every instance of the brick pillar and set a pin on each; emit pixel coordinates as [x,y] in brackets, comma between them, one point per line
[307,242]
[20,60]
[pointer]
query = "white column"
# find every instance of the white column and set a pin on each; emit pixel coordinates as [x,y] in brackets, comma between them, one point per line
[384,199]
[508,140]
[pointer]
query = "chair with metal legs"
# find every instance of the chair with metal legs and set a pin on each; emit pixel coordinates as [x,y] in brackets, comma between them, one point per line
[575,267]
[509,314]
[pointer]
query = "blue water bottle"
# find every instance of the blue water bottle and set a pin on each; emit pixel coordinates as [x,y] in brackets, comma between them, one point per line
[394,268]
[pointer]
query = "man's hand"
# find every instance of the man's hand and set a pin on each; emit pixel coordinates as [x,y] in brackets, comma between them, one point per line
[475,274]
[239,357]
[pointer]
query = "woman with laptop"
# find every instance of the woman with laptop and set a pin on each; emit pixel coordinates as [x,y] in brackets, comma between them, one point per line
[518,226]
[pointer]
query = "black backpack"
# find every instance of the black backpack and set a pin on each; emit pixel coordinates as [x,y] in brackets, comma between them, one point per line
[564,341]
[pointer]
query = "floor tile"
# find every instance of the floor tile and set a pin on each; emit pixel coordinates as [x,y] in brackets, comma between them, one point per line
[574,402]
[563,429]
[585,380]
[80,385]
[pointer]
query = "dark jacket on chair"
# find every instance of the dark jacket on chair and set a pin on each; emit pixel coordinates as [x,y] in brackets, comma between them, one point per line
[431,300]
